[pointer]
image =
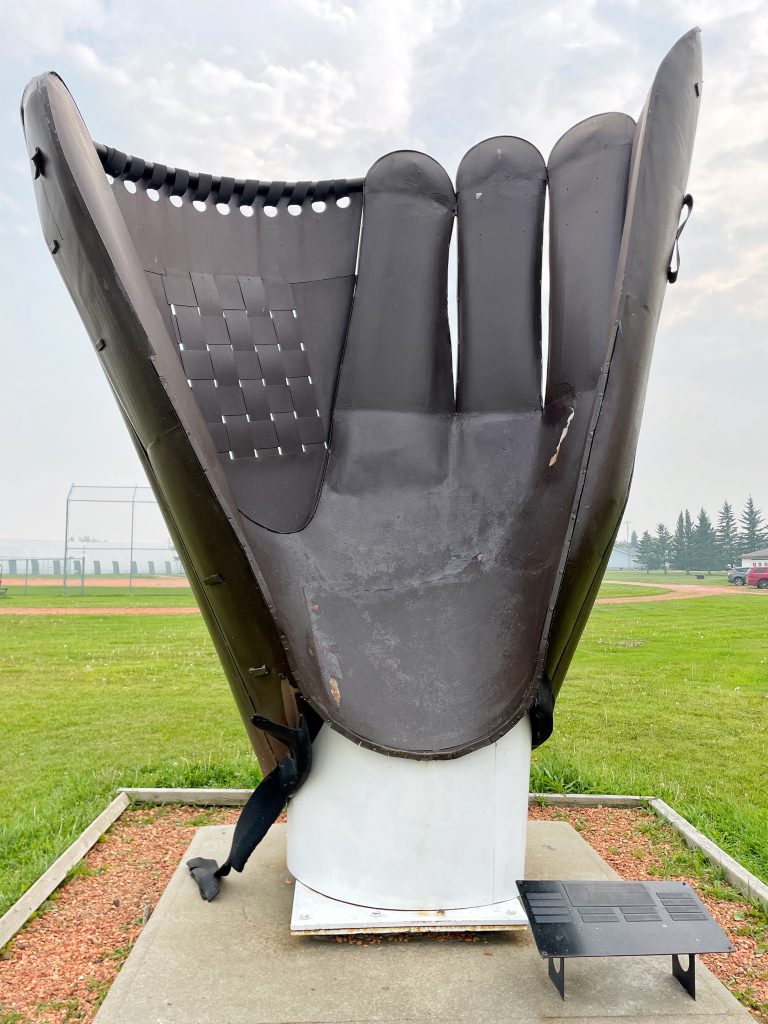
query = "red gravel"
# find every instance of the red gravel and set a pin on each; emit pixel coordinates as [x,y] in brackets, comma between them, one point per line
[60,966]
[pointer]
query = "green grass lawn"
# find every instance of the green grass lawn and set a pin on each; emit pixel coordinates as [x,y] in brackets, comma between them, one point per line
[92,703]
[97,597]
[627,590]
[717,579]
[671,700]
[668,699]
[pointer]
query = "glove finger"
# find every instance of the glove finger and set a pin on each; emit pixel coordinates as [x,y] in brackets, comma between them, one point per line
[398,352]
[588,180]
[660,165]
[501,186]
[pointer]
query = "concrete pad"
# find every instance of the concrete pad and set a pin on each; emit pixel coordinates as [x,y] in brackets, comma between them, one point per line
[235,961]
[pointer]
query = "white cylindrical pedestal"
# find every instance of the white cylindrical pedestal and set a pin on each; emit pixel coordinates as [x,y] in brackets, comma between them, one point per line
[400,834]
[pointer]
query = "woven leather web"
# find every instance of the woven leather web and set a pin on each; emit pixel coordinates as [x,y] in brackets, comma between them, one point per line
[197,185]
[239,340]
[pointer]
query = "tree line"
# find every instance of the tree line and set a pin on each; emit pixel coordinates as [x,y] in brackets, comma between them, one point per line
[700,544]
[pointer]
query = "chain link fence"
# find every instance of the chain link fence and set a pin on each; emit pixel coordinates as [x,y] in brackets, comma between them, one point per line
[91,567]
[86,557]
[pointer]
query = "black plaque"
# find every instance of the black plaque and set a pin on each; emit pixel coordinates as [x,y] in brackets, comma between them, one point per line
[607,918]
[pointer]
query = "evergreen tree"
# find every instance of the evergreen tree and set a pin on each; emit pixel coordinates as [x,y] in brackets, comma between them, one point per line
[752,534]
[663,546]
[704,553]
[633,541]
[727,535]
[679,545]
[646,554]
[688,535]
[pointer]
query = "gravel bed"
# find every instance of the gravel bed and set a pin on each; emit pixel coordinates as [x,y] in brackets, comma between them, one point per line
[60,966]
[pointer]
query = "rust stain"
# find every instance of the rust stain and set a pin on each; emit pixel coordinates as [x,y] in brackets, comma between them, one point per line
[333,686]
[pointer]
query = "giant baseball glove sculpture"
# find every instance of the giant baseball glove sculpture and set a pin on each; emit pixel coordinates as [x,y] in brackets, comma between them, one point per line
[409,564]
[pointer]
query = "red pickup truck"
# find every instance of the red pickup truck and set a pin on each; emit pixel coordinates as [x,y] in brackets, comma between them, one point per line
[758,577]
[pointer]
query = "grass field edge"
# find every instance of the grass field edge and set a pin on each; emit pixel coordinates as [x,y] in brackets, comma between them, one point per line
[17,915]
[739,877]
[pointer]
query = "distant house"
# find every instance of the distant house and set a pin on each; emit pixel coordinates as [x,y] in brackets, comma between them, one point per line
[623,556]
[755,558]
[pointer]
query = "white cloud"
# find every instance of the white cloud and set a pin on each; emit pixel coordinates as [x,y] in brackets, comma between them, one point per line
[9,202]
[42,26]
[576,26]
[313,118]
[336,14]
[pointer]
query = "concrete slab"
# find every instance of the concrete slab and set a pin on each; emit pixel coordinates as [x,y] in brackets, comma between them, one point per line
[235,961]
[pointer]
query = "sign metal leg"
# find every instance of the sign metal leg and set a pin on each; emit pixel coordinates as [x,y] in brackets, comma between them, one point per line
[685,975]
[557,974]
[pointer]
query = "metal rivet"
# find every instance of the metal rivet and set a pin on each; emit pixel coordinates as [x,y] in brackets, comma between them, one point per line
[100,344]
[214,579]
[53,247]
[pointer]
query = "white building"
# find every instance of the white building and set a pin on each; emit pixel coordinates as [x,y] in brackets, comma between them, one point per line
[755,558]
[623,556]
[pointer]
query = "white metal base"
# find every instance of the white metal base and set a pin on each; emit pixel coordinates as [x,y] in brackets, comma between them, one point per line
[397,834]
[315,914]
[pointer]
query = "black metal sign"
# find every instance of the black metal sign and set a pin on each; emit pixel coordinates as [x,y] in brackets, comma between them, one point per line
[575,919]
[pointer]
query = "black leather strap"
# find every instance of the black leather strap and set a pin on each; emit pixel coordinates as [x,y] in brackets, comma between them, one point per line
[263,807]
[674,260]
[542,713]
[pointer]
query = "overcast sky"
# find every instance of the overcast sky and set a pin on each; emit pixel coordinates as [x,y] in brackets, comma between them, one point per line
[321,88]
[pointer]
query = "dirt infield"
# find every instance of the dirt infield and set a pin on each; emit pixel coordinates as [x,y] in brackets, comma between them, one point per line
[677,592]
[99,611]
